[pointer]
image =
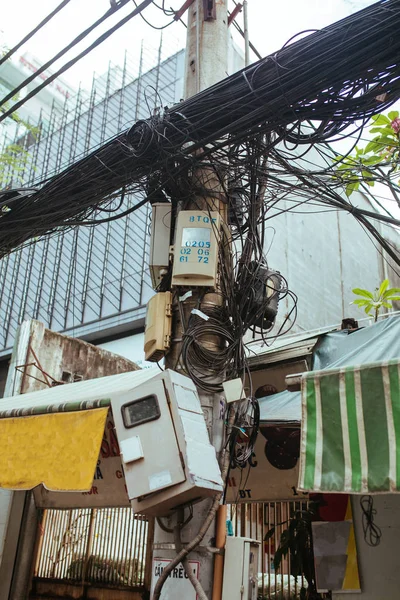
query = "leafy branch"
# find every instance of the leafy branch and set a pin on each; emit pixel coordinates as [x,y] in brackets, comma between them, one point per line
[296,544]
[372,302]
[14,156]
[378,161]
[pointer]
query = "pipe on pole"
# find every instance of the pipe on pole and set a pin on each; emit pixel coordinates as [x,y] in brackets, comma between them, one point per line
[246,34]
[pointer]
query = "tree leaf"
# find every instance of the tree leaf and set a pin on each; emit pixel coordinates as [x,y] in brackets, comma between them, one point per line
[360,302]
[380,120]
[377,129]
[390,292]
[393,115]
[285,538]
[386,305]
[373,160]
[383,287]
[367,175]
[352,187]
[277,559]
[373,146]
[269,534]
[361,292]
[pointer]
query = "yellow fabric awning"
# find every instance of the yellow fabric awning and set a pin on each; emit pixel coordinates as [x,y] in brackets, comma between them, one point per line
[58,450]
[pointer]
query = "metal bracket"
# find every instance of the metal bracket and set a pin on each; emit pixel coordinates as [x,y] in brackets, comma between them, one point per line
[209,9]
[183,9]
[235,12]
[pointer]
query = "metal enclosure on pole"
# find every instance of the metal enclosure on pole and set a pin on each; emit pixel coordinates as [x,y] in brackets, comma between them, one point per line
[206,64]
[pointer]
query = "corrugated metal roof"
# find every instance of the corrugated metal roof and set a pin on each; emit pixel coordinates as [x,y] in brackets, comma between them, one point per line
[284,407]
[286,347]
[93,389]
[378,342]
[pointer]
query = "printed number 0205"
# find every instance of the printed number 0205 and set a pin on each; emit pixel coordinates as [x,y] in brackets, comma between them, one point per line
[196,244]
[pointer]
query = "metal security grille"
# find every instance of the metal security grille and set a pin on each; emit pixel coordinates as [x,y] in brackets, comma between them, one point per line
[96,546]
[254,520]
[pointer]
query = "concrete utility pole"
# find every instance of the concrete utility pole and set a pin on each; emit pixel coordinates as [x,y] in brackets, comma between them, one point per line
[206,64]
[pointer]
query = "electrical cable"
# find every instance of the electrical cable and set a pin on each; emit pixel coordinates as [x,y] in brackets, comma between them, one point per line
[154,26]
[244,433]
[200,593]
[224,464]
[324,77]
[74,60]
[372,533]
[26,38]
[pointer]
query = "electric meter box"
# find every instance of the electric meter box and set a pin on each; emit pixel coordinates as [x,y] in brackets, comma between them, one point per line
[166,453]
[157,335]
[240,569]
[160,241]
[196,248]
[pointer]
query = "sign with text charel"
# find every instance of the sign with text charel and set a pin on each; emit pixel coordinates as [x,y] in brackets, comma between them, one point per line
[108,489]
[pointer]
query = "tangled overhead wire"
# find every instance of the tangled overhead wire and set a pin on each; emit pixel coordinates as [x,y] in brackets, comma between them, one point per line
[217,326]
[207,363]
[331,78]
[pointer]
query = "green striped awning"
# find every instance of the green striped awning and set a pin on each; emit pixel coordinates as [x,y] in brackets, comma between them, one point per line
[350,440]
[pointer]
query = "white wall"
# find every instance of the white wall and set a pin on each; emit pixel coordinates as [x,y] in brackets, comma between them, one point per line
[130,347]
[378,566]
[323,256]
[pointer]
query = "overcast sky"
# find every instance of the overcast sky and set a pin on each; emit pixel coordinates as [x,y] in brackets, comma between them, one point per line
[271,24]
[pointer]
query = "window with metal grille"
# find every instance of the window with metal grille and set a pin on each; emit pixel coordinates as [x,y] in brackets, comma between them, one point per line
[108,545]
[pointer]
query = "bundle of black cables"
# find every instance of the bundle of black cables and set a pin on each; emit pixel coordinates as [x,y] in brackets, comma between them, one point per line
[208,347]
[346,71]
[244,432]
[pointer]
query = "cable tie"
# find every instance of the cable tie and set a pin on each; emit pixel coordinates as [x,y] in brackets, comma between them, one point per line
[200,314]
[185,296]
[248,83]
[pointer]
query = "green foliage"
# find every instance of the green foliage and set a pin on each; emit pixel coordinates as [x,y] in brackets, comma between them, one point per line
[372,302]
[382,151]
[13,156]
[296,543]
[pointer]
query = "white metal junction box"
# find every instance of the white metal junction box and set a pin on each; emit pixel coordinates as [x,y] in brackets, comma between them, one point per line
[240,580]
[159,241]
[167,456]
[196,248]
